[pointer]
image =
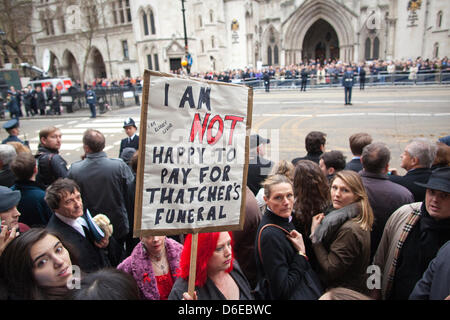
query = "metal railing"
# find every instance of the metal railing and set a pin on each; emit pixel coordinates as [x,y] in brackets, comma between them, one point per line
[335,80]
[117,96]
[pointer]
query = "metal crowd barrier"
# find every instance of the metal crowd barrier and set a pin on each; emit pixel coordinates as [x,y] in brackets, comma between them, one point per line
[330,81]
[117,96]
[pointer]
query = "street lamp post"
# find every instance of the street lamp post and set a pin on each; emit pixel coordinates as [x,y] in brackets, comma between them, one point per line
[186,51]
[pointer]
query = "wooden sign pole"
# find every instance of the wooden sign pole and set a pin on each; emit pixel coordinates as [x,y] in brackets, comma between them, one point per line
[193,264]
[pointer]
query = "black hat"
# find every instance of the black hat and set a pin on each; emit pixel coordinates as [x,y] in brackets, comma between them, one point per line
[439,180]
[256,140]
[13,123]
[129,122]
[8,198]
[127,154]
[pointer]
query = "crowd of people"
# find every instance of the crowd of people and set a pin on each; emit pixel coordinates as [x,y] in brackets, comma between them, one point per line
[325,71]
[315,226]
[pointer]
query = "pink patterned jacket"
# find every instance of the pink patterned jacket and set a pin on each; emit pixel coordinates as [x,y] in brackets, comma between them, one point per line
[138,264]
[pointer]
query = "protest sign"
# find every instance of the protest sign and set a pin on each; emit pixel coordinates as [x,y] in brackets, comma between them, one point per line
[193,155]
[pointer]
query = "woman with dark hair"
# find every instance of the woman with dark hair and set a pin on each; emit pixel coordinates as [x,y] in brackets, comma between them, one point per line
[312,196]
[341,238]
[37,266]
[217,276]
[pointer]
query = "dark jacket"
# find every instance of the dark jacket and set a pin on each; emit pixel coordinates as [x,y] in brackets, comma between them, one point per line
[126,144]
[435,283]
[13,107]
[315,157]
[104,188]
[90,257]
[282,266]
[12,138]
[348,79]
[354,164]
[33,209]
[415,175]
[258,170]
[385,197]
[40,100]
[244,241]
[91,98]
[51,166]
[209,291]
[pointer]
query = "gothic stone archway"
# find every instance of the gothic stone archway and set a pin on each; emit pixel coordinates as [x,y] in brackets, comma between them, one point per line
[320,43]
[319,13]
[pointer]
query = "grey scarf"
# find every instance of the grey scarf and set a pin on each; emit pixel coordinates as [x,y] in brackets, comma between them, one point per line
[334,220]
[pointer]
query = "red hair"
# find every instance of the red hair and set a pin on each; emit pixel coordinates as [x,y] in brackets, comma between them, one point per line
[207,243]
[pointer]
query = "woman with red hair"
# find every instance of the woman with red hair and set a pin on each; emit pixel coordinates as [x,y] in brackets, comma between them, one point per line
[218,276]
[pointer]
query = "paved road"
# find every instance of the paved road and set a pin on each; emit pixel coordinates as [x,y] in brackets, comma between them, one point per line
[393,116]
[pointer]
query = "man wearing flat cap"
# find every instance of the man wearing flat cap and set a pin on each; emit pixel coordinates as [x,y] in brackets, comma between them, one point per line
[9,216]
[258,167]
[12,127]
[412,237]
[132,141]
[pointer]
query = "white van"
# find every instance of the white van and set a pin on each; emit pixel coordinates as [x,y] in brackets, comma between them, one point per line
[63,84]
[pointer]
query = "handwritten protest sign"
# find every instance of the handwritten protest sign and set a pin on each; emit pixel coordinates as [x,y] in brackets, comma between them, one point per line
[193,155]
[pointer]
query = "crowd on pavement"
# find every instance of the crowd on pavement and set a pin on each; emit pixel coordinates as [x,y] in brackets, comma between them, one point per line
[316,227]
[321,70]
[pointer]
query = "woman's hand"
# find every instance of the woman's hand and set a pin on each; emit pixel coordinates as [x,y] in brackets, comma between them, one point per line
[297,240]
[6,236]
[316,220]
[186,296]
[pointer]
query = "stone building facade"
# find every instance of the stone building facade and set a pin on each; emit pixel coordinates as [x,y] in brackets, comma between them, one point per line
[132,35]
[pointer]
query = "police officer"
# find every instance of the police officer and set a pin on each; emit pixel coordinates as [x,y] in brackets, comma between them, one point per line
[132,141]
[91,99]
[12,127]
[347,81]
[266,78]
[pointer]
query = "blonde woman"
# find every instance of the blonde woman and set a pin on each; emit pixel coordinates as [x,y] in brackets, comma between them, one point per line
[341,238]
[283,167]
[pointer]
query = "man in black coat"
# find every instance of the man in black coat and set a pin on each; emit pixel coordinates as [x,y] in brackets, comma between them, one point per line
[314,145]
[417,159]
[266,78]
[384,196]
[75,226]
[132,141]
[258,167]
[40,100]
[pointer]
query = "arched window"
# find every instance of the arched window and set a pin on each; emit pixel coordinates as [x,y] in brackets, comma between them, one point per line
[211,16]
[439,19]
[269,55]
[436,50]
[152,22]
[367,48]
[145,23]
[376,48]
[275,55]
[200,22]
[213,45]
[202,46]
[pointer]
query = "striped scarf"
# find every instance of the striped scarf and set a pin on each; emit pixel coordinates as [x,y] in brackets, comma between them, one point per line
[410,223]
